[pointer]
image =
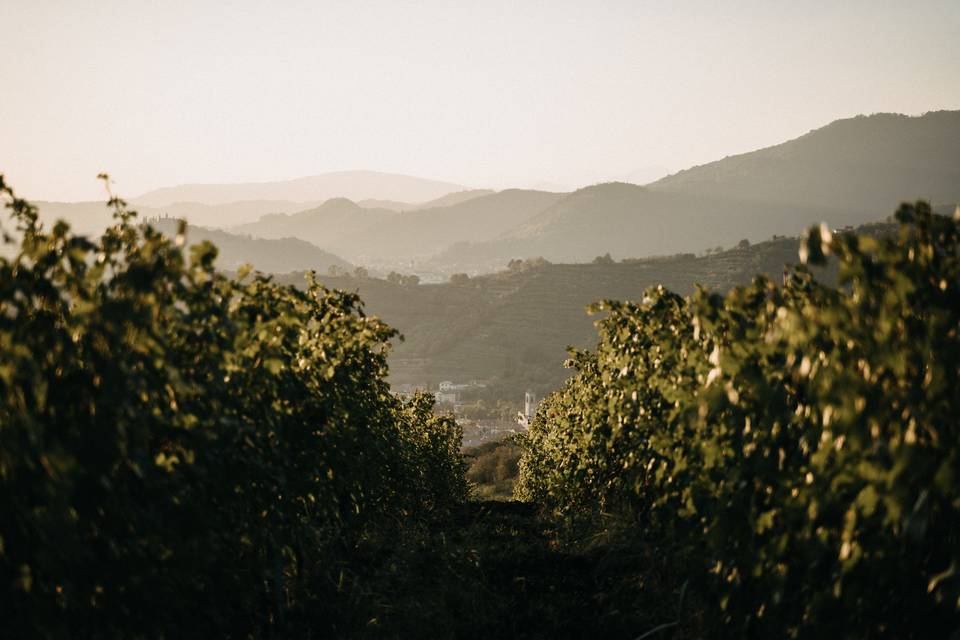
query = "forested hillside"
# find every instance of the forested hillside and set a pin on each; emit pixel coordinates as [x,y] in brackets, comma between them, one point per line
[516,325]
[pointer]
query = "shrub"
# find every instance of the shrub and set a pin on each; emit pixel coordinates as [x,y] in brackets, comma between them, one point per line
[186,454]
[493,468]
[798,443]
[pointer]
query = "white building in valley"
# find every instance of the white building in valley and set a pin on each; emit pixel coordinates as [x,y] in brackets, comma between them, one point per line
[529,405]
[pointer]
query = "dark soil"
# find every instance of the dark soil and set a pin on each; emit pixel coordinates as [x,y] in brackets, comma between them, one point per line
[496,570]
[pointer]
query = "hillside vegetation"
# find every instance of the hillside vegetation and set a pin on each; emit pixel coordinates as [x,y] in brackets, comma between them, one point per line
[515,326]
[184,454]
[275,255]
[791,449]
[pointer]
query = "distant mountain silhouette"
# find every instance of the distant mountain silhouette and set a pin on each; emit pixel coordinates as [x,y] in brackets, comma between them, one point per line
[419,233]
[453,198]
[93,217]
[643,175]
[443,201]
[270,256]
[345,227]
[231,213]
[279,255]
[859,164]
[356,185]
[333,225]
[393,205]
[847,173]
[631,221]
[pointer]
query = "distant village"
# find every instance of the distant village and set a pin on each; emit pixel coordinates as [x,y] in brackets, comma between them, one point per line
[479,426]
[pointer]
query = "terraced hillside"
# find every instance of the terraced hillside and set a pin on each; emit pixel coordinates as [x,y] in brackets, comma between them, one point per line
[514,327]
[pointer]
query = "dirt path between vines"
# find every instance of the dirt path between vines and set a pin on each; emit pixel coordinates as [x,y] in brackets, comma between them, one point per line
[495,570]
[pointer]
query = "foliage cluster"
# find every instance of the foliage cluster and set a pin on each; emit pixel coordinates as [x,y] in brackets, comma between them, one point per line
[501,410]
[521,264]
[188,454]
[796,445]
[404,281]
[493,468]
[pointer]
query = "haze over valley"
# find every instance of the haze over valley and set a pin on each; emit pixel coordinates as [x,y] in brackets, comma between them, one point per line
[522,260]
[845,174]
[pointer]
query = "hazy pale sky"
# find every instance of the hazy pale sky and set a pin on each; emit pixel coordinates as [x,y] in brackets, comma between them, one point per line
[490,93]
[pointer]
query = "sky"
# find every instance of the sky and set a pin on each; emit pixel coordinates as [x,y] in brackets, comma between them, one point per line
[485,94]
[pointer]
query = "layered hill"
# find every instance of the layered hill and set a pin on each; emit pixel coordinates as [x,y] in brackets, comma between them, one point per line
[365,234]
[513,328]
[849,172]
[270,256]
[418,234]
[280,255]
[231,213]
[846,173]
[356,185]
[627,220]
[859,164]
[93,217]
[334,225]
[451,199]
[443,201]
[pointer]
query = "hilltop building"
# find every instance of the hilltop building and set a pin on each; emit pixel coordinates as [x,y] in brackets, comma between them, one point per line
[529,409]
[529,405]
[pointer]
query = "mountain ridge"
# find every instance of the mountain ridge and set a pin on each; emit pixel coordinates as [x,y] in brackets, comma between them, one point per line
[845,173]
[280,255]
[356,185]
